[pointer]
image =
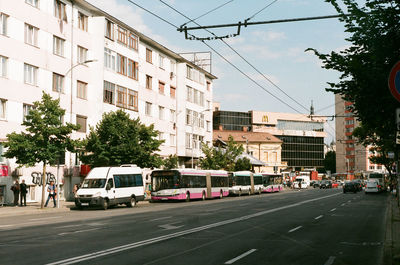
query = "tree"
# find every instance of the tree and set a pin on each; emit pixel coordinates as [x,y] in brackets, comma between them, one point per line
[170,162]
[222,158]
[118,139]
[330,161]
[44,138]
[242,164]
[365,67]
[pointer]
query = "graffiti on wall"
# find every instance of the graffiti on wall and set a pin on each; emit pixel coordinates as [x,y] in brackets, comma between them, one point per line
[37,178]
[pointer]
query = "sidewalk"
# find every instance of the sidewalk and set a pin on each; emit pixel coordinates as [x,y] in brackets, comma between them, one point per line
[34,208]
[391,254]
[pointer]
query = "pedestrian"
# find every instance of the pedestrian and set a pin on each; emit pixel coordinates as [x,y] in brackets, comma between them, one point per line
[75,189]
[23,191]
[15,188]
[51,189]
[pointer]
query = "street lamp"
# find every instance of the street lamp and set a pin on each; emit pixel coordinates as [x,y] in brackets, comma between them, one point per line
[59,92]
[199,114]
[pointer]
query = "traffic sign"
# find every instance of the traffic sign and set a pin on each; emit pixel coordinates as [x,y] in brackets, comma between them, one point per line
[394,81]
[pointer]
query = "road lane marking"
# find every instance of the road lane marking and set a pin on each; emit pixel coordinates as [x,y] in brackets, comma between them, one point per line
[161,218]
[240,256]
[5,226]
[45,218]
[146,242]
[343,204]
[170,226]
[78,231]
[318,217]
[349,201]
[294,229]
[330,260]
[334,209]
[67,226]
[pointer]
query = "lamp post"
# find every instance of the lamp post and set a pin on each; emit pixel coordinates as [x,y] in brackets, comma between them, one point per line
[59,93]
[199,114]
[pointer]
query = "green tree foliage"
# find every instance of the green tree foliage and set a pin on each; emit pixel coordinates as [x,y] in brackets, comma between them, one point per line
[330,161]
[242,164]
[44,138]
[365,66]
[170,162]
[221,158]
[118,139]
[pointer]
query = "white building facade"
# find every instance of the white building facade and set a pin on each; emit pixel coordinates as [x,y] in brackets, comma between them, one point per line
[95,64]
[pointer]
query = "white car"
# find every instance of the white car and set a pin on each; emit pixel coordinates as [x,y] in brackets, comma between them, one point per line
[372,186]
[303,185]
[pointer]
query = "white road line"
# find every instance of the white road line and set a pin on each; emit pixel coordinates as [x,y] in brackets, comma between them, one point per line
[330,260]
[343,204]
[318,217]
[161,218]
[146,242]
[68,226]
[4,226]
[78,231]
[294,229]
[240,256]
[45,218]
[334,209]
[348,201]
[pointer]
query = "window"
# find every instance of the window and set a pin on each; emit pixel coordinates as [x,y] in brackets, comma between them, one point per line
[201,103]
[149,56]
[148,109]
[109,29]
[188,140]
[81,90]
[58,83]
[189,72]
[109,59]
[121,64]
[82,54]
[195,118]
[3,66]
[189,95]
[188,117]
[201,120]
[31,34]
[26,109]
[132,100]
[172,91]
[81,120]
[109,92]
[122,35]
[173,67]
[172,139]
[196,98]
[172,115]
[3,24]
[59,10]
[149,81]
[30,74]
[133,69]
[161,86]
[161,61]
[161,136]
[160,112]
[121,96]
[208,126]
[58,46]
[3,109]
[133,41]
[82,21]
[34,3]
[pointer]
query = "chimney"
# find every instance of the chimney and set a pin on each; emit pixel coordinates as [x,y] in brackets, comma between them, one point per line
[220,127]
[245,128]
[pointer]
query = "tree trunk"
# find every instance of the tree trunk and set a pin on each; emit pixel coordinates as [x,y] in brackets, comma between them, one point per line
[43,184]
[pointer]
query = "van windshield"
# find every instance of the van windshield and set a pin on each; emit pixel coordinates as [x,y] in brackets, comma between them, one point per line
[93,183]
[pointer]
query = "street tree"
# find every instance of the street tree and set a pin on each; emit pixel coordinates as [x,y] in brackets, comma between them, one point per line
[118,139]
[242,164]
[44,139]
[170,162]
[330,161]
[374,38]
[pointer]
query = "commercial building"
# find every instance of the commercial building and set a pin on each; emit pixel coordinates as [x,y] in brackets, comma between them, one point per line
[352,159]
[302,137]
[94,63]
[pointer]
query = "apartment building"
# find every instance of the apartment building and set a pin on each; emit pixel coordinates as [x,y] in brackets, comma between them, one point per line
[94,63]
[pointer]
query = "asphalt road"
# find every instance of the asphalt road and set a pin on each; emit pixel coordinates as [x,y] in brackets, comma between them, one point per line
[306,227]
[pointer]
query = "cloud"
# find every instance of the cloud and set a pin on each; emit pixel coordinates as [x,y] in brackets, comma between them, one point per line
[268,35]
[262,51]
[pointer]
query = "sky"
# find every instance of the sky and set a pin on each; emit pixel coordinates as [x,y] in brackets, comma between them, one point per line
[275,50]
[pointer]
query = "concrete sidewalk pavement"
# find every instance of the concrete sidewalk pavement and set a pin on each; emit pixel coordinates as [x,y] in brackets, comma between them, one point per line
[34,207]
[392,238]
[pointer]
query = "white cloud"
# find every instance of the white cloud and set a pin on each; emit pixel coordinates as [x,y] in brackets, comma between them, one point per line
[268,35]
[262,51]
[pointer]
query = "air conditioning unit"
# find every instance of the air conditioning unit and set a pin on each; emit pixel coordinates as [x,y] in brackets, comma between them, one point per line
[18,172]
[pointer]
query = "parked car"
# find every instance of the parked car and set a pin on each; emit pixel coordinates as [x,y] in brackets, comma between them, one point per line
[325,184]
[359,184]
[316,184]
[372,186]
[350,187]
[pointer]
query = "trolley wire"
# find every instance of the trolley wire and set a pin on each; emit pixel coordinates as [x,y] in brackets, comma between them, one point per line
[265,7]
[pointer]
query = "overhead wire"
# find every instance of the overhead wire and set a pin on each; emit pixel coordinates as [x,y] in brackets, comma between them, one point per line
[244,59]
[251,17]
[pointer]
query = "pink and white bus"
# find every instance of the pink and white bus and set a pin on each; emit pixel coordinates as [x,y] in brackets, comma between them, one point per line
[187,184]
[272,182]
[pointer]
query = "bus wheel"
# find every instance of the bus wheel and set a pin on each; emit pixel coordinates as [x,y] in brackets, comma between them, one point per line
[132,202]
[187,196]
[221,195]
[203,196]
[240,192]
[249,192]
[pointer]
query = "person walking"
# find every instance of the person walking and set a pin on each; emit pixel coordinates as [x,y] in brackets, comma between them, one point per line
[23,191]
[52,190]
[15,188]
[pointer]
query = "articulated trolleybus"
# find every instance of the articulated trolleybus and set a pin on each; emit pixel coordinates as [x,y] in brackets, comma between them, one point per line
[245,182]
[272,182]
[187,184]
